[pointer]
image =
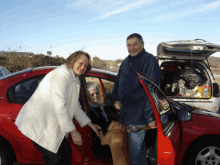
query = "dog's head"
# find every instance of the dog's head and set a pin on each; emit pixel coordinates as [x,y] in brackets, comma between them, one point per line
[113,124]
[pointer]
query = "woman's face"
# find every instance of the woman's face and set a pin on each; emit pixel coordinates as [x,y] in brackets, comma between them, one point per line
[93,96]
[80,65]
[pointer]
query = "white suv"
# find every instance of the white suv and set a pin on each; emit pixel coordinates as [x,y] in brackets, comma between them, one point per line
[185,75]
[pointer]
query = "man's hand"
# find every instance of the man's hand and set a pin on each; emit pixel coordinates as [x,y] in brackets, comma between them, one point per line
[95,128]
[117,105]
[153,125]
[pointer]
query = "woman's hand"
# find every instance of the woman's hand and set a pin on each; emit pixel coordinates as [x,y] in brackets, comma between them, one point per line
[95,128]
[76,137]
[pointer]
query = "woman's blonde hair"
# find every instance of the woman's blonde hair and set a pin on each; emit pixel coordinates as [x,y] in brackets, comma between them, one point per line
[74,56]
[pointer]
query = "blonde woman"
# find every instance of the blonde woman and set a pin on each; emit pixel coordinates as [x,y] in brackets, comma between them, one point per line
[47,116]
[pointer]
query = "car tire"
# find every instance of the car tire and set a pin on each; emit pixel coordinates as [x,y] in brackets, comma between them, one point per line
[204,152]
[6,156]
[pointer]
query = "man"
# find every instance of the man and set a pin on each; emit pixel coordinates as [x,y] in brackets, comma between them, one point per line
[130,97]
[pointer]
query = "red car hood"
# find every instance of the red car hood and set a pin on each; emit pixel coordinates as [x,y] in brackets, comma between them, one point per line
[205,112]
[203,122]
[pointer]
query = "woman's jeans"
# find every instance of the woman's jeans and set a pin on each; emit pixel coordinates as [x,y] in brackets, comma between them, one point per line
[137,146]
[62,157]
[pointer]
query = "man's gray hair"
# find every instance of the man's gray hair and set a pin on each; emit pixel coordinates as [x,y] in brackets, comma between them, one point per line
[138,36]
[91,86]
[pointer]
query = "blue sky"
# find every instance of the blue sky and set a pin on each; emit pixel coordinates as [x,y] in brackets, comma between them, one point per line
[100,27]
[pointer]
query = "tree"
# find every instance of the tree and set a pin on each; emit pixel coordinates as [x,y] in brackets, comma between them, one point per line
[97,63]
[119,60]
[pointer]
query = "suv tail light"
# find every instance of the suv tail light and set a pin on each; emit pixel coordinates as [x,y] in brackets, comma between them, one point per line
[215,90]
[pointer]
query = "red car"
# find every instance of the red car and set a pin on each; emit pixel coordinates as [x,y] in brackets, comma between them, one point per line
[184,135]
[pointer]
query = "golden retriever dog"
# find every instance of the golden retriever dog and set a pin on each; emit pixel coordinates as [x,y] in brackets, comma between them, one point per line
[117,140]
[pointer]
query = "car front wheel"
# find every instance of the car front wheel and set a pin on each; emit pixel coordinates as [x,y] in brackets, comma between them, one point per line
[205,152]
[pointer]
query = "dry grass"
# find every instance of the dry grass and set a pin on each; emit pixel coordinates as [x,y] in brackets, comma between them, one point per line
[218,80]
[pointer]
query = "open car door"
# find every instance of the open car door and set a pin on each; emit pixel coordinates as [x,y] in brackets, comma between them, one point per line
[168,128]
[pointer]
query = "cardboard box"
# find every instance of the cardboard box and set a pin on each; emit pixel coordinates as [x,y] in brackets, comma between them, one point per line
[205,91]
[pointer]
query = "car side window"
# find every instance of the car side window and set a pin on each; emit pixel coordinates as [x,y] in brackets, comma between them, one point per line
[164,109]
[23,90]
[100,92]
[162,104]
[105,100]
[5,71]
[1,74]
[107,87]
[162,101]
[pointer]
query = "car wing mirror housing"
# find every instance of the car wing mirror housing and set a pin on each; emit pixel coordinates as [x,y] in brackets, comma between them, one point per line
[184,115]
[10,94]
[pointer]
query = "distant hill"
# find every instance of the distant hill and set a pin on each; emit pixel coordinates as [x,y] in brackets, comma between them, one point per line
[214,63]
[14,62]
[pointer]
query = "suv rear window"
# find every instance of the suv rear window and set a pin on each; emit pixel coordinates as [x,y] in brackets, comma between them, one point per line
[182,79]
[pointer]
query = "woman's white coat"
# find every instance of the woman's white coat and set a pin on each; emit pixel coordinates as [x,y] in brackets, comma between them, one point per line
[48,115]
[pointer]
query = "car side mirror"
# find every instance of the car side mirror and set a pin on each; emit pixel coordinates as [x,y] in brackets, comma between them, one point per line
[10,94]
[183,115]
[164,118]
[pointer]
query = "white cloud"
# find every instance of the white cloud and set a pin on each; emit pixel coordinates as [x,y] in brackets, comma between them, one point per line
[209,6]
[117,2]
[149,11]
[94,5]
[113,6]
[126,8]
[83,2]
[167,17]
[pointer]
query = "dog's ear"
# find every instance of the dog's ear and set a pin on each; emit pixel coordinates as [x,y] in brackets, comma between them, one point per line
[111,125]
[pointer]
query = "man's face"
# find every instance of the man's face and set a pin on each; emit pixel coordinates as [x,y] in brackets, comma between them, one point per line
[134,46]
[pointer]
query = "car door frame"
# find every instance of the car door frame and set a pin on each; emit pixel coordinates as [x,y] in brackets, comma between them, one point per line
[90,157]
[165,150]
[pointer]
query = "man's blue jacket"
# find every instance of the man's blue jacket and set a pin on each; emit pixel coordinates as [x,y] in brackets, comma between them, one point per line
[135,105]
